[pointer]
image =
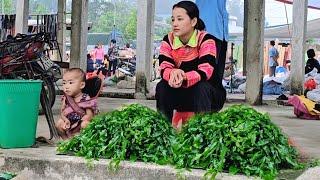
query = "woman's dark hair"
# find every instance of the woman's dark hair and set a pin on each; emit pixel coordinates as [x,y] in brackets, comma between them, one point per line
[311,53]
[192,11]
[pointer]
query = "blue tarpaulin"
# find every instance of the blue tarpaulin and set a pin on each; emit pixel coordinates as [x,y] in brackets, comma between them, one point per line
[215,16]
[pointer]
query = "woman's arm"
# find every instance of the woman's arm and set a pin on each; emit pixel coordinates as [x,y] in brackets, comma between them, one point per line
[207,53]
[165,59]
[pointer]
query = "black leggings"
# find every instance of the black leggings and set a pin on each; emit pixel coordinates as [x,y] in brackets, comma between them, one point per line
[202,97]
[112,64]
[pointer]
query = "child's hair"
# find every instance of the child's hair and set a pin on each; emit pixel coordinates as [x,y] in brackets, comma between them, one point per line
[88,56]
[79,71]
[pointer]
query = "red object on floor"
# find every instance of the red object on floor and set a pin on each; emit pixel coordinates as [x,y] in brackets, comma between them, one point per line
[180,118]
[310,84]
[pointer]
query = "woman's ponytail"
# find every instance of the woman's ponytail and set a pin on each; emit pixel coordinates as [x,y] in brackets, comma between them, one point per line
[200,25]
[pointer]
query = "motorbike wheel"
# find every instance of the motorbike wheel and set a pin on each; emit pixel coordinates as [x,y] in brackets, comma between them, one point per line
[153,75]
[50,90]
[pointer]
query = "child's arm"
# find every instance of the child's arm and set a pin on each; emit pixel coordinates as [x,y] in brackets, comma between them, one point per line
[63,117]
[86,118]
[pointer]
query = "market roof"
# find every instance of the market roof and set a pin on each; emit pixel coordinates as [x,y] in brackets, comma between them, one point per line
[315,4]
[285,31]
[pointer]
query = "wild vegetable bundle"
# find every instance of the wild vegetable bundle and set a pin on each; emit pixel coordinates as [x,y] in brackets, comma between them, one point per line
[238,140]
[134,133]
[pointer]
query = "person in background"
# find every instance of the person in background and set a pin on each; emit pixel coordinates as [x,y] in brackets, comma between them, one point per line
[90,64]
[273,59]
[113,61]
[99,55]
[77,108]
[186,58]
[311,62]
[129,51]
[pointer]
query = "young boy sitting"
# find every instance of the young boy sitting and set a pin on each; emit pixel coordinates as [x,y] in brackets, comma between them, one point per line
[77,108]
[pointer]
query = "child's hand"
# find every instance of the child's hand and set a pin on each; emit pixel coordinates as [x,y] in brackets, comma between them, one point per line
[66,124]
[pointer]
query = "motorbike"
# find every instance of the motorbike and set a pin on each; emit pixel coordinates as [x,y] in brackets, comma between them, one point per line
[26,57]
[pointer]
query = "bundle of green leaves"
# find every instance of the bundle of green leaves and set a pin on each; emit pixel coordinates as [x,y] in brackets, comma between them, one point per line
[237,140]
[133,133]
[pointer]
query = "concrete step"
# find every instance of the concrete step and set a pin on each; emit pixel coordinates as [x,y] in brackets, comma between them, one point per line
[43,163]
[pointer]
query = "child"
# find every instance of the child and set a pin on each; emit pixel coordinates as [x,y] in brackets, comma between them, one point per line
[77,108]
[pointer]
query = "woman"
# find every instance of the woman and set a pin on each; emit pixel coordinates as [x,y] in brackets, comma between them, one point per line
[99,55]
[187,60]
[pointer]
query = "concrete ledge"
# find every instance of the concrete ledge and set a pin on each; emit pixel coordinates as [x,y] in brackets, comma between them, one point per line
[43,163]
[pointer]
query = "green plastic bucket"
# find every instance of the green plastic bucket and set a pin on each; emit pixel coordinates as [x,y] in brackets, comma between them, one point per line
[19,104]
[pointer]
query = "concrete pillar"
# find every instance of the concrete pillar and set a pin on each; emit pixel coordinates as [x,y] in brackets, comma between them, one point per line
[79,33]
[245,29]
[22,15]
[145,21]
[61,35]
[254,35]
[298,45]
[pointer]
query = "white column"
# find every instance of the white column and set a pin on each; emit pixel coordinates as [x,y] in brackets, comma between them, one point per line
[298,45]
[145,15]
[61,35]
[79,33]
[254,35]
[22,14]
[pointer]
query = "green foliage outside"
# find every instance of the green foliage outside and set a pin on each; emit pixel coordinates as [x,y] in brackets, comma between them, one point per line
[103,14]
[7,7]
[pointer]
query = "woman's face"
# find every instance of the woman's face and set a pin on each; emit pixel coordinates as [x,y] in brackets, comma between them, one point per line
[182,25]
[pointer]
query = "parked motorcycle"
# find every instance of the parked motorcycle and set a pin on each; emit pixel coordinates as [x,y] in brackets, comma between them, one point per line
[26,57]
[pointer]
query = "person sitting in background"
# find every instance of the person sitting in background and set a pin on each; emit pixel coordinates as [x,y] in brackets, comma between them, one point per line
[77,108]
[311,62]
[90,64]
[129,52]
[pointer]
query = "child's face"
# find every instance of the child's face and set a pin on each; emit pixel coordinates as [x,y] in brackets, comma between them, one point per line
[72,83]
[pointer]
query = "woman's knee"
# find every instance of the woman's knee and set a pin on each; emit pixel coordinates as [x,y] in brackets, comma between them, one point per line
[161,88]
[203,88]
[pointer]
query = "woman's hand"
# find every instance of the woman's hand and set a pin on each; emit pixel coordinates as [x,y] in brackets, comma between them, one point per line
[176,78]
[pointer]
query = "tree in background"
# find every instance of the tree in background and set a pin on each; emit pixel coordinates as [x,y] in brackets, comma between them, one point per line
[7,6]
[37,8]
[103,14]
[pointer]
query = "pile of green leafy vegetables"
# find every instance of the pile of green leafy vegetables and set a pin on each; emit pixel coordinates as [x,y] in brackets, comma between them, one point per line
[133,133]
[237,140]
